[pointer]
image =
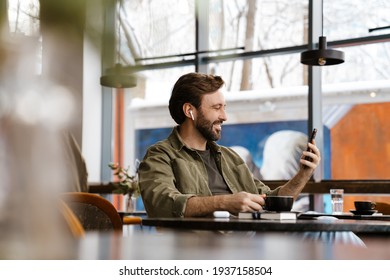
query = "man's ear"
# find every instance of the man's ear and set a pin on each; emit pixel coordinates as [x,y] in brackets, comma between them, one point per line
[188,110]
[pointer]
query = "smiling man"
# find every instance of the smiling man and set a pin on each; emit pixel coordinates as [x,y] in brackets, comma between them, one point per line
[189,175]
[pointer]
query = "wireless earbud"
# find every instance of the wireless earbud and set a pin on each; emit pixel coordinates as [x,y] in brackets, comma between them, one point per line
[192,116]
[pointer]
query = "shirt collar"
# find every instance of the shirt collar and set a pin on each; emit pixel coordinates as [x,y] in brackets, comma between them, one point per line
[178,143]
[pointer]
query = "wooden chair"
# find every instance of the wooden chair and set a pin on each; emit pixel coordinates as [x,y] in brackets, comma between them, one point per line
[74,225]
[93,211]
[132,220]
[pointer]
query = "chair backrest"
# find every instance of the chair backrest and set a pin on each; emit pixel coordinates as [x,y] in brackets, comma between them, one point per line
[93,211]
[74,225]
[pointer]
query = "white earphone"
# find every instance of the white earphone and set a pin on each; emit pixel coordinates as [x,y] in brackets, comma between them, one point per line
[192,116]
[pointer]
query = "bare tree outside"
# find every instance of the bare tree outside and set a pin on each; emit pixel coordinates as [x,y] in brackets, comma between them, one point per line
[23,17]
[147,30]
[246,79]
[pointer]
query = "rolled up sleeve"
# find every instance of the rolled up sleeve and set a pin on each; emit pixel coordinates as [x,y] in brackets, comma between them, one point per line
[157,183]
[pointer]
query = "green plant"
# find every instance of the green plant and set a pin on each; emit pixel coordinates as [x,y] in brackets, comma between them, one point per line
[128,184]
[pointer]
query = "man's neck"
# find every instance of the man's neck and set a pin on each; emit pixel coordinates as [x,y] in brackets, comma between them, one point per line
[192,138]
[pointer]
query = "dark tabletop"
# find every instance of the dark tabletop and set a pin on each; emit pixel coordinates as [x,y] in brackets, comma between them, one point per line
[169,244]
[299,225]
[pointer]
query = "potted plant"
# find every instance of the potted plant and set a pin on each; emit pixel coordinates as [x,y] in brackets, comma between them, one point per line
[127,184]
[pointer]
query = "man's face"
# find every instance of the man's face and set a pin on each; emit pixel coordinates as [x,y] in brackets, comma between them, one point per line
[210,116]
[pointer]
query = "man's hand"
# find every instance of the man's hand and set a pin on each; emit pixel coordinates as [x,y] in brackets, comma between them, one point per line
[234,203]
[243,202]
[296,184]
[314,157]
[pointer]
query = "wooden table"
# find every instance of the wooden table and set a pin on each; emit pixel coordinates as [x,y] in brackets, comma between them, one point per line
[170,244]
[322,187]
[134,213]
[299,225]
[346,216]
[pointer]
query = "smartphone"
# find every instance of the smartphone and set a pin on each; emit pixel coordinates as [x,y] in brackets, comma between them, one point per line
[312,137]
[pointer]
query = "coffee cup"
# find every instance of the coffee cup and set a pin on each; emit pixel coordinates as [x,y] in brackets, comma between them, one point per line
[278,203]
[364,205]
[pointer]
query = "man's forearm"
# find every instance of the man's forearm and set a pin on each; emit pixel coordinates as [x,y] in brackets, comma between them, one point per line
[296,184]
[203,205]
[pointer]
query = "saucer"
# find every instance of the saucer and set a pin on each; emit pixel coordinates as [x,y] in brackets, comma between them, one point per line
[363,212]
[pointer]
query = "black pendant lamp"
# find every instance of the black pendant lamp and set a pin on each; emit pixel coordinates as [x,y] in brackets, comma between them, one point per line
[118,76]
[323,56]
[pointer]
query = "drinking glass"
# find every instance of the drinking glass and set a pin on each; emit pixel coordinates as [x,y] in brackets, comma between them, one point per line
[337,197]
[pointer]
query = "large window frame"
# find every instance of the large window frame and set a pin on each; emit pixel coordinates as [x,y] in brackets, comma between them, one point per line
[202,58]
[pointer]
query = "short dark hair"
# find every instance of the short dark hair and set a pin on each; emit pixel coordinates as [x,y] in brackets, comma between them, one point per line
[189,88]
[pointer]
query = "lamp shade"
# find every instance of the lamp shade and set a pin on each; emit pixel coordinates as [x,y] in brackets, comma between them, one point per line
[118,77]
[322,56]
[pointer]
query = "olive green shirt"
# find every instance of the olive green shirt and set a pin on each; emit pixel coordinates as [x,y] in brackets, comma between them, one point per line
[171,172]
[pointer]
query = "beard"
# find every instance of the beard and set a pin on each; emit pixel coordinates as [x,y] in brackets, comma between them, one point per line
[205,127]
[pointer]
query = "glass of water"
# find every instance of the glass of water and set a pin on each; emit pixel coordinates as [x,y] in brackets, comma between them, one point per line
[337,197]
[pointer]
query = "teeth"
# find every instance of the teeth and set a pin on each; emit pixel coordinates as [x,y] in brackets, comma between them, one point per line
[218,126]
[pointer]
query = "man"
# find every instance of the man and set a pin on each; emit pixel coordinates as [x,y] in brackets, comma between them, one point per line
[189,175]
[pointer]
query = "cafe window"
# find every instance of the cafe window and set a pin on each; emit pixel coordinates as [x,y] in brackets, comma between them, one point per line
[268,93]
[147,116]
[356,114]
[279,71]
[23,17]
[342,22]
[22,23]
[254,24]
[153,31]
